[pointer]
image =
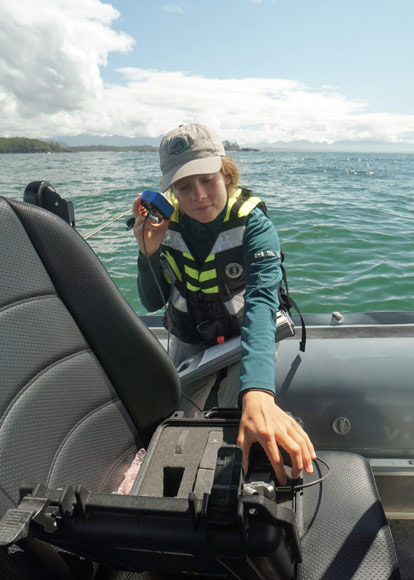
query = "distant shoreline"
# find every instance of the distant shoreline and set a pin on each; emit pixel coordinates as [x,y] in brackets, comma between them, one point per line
[26,145]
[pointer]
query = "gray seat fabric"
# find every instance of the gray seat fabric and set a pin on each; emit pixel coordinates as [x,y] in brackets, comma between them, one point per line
[83,383]
[344,530]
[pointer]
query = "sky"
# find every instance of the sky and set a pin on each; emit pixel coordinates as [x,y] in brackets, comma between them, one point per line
[257,71]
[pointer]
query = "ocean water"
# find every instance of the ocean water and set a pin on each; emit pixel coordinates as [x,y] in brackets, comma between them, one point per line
[345,221]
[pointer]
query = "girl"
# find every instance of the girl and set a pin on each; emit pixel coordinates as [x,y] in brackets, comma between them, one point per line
[217,262]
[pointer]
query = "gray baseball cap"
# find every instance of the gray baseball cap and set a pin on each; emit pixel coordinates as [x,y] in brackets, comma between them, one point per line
[189,150]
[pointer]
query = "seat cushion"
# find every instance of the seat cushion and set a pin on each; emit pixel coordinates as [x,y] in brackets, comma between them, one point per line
[134,361]
[344,530]
[61,419]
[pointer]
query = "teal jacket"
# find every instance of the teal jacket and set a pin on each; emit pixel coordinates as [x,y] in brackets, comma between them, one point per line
[261,251]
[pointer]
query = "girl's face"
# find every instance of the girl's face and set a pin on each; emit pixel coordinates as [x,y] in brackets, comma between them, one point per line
[201,197]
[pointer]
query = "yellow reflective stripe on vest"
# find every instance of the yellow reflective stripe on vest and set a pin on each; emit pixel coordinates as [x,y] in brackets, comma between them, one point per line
[248,205]
[208,275]
[173,265]
[193,288]
[176,213]
[191,272]
[213,290]
[231,202]
[201,276]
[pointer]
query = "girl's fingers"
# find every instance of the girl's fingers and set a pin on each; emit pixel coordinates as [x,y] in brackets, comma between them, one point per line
[276,460]
[307,449]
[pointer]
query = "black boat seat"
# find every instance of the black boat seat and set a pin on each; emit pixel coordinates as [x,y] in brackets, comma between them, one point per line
[344,530]
[83,382]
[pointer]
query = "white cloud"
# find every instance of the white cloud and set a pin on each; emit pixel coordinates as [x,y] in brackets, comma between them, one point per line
[172,8]
[50,55]
[50,84]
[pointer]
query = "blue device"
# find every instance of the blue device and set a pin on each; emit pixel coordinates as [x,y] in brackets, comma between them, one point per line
[154,201]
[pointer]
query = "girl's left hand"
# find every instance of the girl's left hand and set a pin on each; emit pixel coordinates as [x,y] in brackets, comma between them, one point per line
[264,422]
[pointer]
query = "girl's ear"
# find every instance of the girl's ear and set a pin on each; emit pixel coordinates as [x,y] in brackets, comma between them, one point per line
[227,179]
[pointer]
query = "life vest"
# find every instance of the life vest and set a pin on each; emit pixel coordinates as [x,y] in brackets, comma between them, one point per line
[207,300]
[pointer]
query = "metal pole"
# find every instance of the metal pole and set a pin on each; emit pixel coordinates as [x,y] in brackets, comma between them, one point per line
[107,224]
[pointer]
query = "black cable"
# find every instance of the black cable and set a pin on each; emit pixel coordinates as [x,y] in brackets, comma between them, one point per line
[155,278]
[162,297]
[192,402]
[163,300]
[287,488]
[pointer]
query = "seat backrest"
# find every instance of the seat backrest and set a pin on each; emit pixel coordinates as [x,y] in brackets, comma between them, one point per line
[83,382]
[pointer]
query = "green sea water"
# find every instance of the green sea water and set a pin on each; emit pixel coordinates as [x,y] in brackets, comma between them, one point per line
[345,221]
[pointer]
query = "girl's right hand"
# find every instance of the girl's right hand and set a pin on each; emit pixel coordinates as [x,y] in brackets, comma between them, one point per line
[264,422]
[153,233]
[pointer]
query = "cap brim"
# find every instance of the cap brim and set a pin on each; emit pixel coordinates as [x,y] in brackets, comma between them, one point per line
[195,167]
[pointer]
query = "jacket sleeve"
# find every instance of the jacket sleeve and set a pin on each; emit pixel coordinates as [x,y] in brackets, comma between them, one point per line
[151,283]
[263,274]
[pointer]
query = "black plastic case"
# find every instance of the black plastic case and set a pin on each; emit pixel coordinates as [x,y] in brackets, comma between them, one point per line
[190,511]
[196,514]
[224,523]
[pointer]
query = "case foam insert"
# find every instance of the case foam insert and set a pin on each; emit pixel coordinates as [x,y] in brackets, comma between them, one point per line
[183,460]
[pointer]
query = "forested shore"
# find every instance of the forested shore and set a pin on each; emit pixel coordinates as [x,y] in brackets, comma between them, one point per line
[26,145]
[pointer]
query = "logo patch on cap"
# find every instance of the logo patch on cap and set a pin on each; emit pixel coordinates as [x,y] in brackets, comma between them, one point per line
[233,270]
[179,145]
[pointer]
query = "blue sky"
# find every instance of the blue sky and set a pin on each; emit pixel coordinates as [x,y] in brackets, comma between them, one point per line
[257,71]
[363,47]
